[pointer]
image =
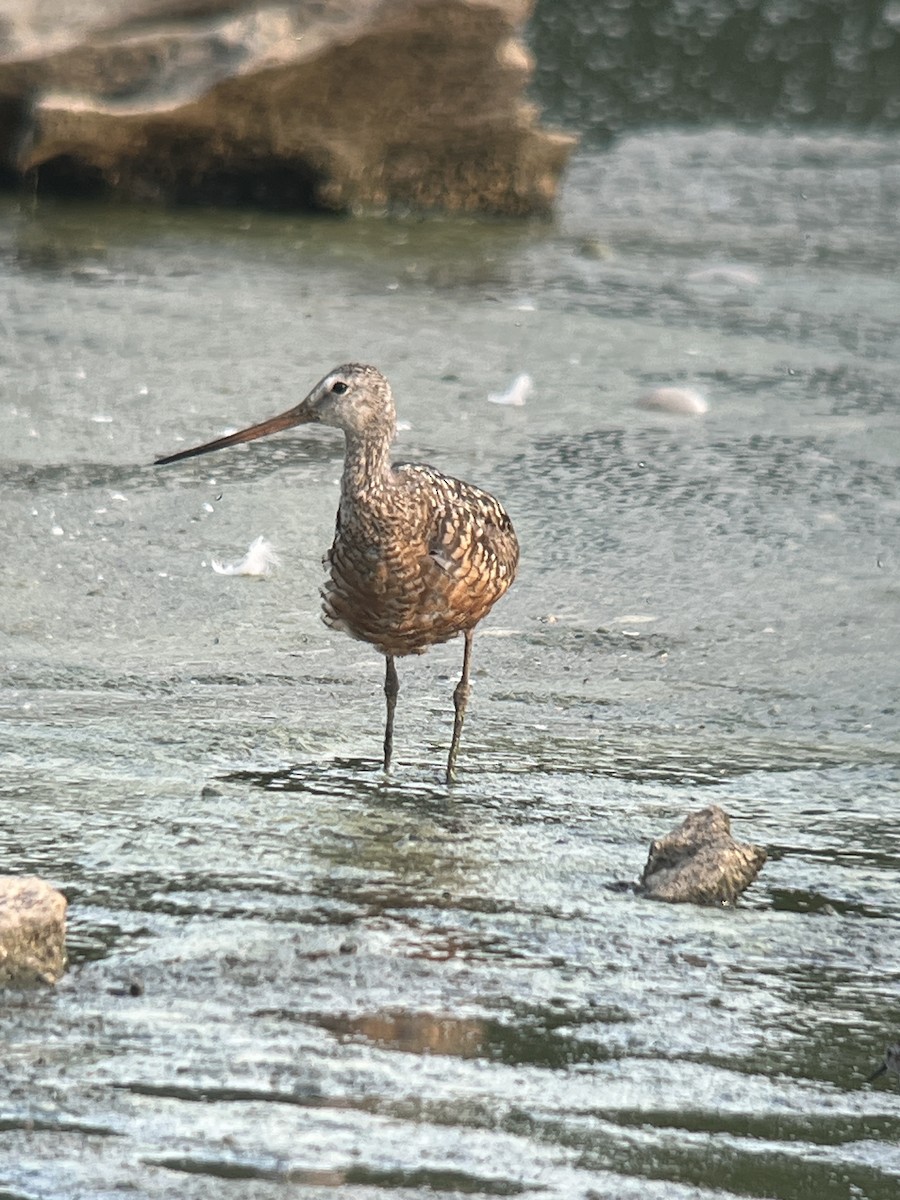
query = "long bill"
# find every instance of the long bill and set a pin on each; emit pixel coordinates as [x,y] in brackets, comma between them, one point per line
[880,1071]
[302,414]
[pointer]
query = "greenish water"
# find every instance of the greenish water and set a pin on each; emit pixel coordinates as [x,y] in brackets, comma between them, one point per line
[292,977]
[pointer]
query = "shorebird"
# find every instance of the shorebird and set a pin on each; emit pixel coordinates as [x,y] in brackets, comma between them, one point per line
[418,557]
[890,1065]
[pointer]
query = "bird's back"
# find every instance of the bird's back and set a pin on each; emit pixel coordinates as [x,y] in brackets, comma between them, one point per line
[417,559]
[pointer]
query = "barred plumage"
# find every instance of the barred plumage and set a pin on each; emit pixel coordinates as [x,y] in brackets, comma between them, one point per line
[431,565]
[418,557]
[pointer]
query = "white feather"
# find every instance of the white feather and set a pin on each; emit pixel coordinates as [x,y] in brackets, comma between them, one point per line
[260,559]
[516,394]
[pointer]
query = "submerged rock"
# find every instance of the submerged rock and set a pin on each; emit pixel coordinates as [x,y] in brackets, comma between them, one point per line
[700,862]
[333,105]
[32,931]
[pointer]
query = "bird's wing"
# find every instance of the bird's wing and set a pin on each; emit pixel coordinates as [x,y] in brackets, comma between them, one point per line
[468,530]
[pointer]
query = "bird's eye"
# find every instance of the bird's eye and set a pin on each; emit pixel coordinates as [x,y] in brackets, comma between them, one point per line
[339,388]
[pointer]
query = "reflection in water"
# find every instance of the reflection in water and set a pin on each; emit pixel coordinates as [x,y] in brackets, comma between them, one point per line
[533,1037]
[413,1033]
[235,1169]
[437,1181]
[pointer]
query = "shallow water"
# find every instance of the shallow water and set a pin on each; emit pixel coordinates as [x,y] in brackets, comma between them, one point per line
[290,976]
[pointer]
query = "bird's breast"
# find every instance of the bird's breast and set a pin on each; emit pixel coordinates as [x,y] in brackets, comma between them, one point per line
[418,575]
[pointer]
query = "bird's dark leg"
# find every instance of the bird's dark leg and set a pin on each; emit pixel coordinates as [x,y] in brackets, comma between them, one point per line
[391,690]
[460,696]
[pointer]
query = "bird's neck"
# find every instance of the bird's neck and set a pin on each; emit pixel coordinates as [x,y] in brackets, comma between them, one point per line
[367,463]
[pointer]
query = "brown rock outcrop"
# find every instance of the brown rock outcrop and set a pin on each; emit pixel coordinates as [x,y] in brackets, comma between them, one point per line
[337,104]
[32,931]
[700,862]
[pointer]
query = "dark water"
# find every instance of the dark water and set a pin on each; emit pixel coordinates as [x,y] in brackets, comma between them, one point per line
[292,977]
[607,68]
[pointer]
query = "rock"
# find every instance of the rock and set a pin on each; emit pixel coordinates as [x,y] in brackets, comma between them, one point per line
[337,105]
[700,862]
[32,932]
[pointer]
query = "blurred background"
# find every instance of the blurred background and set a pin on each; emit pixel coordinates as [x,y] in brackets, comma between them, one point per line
[604,68]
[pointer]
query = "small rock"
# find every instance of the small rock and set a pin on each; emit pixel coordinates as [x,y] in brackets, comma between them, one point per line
[685,401]
[133,989]
[591,247]
[700,862]
[890,1064]
[32,932]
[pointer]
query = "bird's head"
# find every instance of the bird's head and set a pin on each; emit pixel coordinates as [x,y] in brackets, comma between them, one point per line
[355,398]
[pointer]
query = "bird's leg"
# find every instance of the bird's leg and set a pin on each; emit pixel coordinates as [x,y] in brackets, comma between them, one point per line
[391,690]
[460,696]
